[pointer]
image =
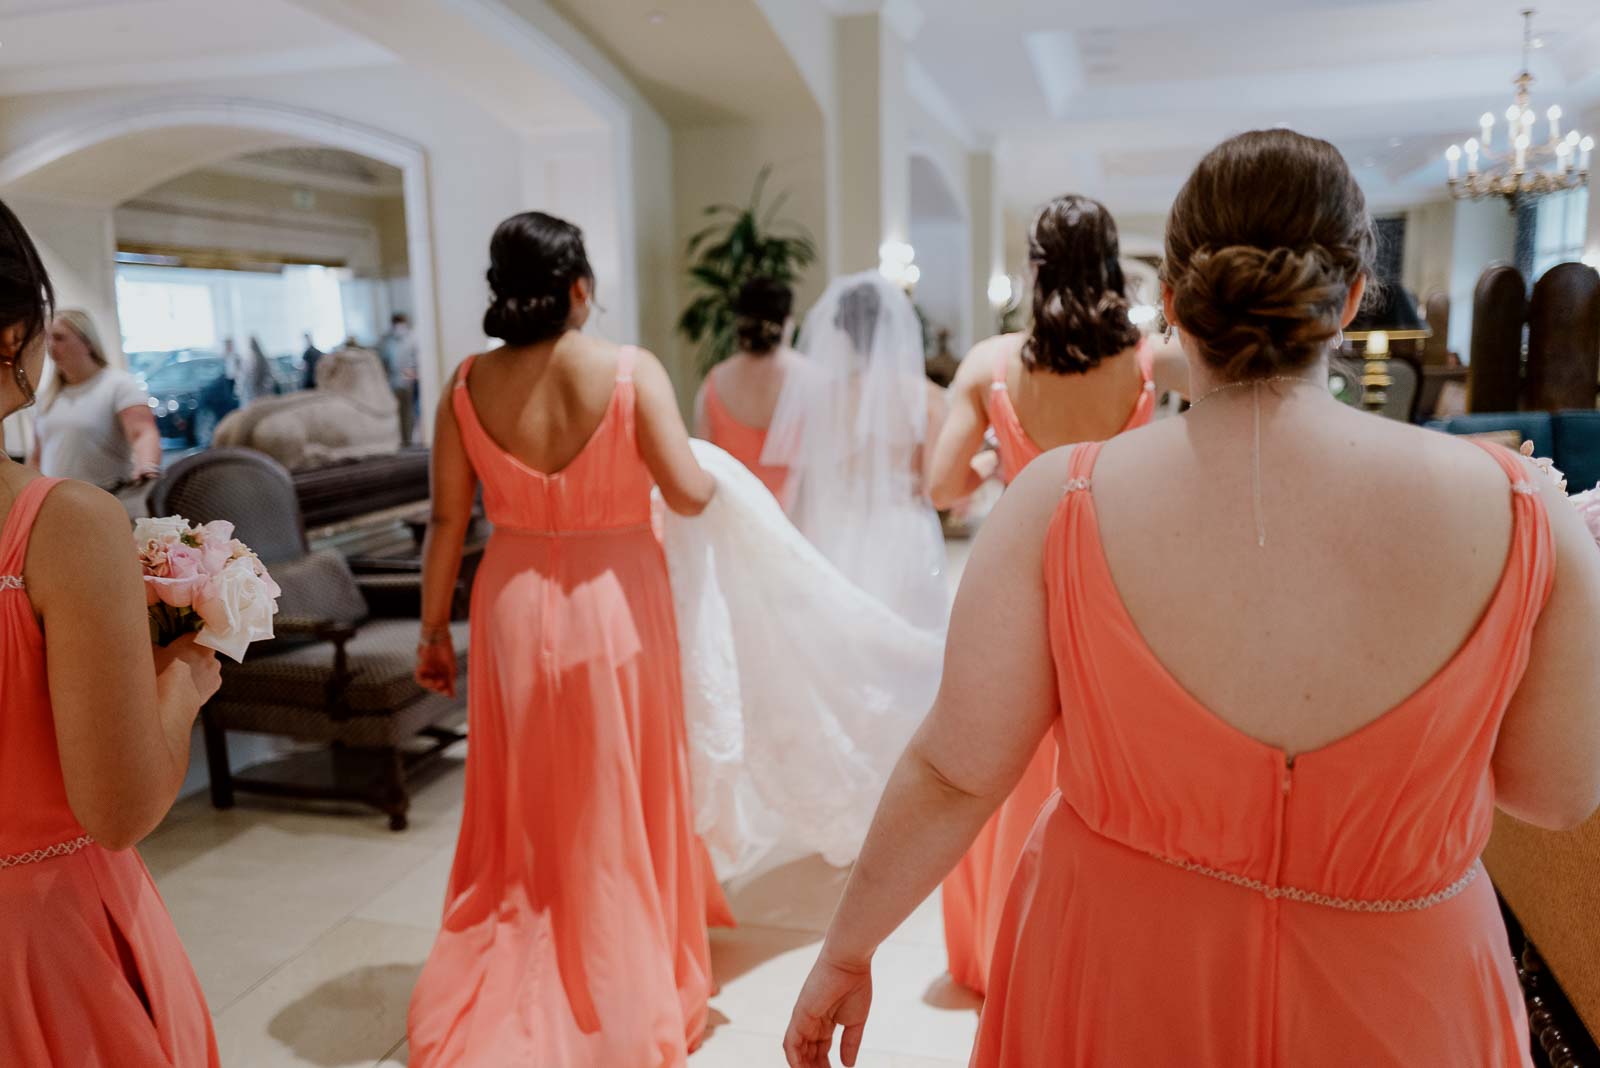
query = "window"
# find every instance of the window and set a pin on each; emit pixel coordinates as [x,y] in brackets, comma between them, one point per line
[1558,231]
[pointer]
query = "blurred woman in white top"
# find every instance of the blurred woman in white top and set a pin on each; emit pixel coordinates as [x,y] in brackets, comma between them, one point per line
[95,423]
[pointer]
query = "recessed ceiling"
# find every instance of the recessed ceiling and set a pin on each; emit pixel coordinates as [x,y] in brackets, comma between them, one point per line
[1119,100]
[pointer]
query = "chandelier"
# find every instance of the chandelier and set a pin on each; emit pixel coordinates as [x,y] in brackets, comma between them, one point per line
[1522,169]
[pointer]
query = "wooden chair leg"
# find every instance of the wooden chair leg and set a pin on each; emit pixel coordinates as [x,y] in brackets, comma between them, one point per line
[398,800]
[217,768]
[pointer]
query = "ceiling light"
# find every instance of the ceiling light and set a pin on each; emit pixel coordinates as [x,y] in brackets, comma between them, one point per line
[656,18]
[1525,170]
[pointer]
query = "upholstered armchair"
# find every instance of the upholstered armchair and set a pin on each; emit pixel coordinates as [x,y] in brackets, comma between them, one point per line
[335,674]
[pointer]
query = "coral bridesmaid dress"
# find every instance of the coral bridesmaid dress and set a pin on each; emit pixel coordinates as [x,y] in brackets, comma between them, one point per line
[574,931]
[740,440]
[1194,896]
[91,969]
[975,891]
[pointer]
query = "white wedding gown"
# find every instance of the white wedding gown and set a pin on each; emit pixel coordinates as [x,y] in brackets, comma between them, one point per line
[800,689]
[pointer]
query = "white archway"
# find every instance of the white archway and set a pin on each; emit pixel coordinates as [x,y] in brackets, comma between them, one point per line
[291,124]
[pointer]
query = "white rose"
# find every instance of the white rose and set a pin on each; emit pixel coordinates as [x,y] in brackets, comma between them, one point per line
[160,530]
[236,609]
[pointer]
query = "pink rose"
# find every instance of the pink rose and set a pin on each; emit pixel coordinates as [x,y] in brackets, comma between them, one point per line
[179,579]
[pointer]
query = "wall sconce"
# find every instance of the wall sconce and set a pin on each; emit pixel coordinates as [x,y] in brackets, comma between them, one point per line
[897,263]
[1001,290]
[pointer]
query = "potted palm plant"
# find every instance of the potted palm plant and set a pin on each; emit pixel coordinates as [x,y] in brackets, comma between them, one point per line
[742,242]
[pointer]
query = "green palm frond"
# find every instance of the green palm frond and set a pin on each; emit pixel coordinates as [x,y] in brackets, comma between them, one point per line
[744,243]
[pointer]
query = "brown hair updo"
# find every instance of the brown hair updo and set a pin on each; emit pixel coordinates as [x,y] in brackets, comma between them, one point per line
[1080,303]
[1264,242]
[534,259]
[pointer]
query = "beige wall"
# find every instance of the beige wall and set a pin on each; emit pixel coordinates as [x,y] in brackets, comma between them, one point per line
[719,164]
[1483,232]
[1430,236]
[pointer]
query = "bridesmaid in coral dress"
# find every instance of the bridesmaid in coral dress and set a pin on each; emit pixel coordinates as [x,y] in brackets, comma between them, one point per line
[1289,678]
[94,742]
[574,930]
[736,403]
[1086,374]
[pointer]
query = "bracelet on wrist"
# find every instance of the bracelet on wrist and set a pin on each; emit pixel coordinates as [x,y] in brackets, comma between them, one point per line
[434,636]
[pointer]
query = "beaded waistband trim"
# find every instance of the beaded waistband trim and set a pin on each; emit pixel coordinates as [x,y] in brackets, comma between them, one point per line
[1348,904]
[528,532]
[12,582]
[34,856]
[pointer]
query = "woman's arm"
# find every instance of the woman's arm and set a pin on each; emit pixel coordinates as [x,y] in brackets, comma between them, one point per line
[454,489]
[139,427]
[950,475]
[702,429]
[664,443]
[123,714]
[996,701]
[1547,758]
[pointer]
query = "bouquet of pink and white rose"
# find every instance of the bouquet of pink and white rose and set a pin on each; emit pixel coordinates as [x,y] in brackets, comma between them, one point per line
[203,579]
[1587,503]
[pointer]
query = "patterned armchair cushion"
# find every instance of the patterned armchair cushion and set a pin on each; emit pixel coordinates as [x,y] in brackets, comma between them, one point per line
[382,656]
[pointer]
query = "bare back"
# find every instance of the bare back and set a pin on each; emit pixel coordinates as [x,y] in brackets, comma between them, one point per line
[1373,574]
[543,404]
[749,386]
[1057,409]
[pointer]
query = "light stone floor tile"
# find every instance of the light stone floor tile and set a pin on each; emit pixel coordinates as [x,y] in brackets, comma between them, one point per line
[340,1004]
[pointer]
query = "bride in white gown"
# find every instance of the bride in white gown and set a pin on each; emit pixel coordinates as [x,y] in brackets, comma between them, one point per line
[810,658]
[852,427]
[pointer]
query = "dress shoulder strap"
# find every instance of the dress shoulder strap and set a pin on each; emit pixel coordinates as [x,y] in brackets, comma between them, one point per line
[1080,468]
[626,361]
[464,370]
[19,528]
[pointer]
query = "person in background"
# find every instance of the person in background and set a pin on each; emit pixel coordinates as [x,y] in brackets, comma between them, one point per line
[574,930]
[94,743]
[738,398]
[943,364]
[1082,372]
[310,358]
[94,423]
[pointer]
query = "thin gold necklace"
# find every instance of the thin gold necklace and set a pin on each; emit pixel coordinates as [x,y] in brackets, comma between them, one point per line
[1255,452]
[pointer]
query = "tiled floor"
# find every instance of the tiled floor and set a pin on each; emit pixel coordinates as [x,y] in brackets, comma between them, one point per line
[308,931]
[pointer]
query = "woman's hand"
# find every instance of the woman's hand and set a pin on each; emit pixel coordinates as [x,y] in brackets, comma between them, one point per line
[436,664]
[186,663]
[835,995]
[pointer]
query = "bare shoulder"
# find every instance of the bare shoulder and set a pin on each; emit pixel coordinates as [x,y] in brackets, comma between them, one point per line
[81,531]
[1037,491]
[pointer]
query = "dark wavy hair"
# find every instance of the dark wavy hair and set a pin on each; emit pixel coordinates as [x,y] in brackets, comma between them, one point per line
[1080,303]
[760,311]
[26,296]
[534,259]
[1264,243]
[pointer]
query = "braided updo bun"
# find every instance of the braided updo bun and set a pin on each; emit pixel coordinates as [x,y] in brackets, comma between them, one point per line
[534,259]
[760,312]
[1080,304]
[1264,243]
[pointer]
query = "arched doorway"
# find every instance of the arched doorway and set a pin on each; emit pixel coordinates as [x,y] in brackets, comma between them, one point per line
[80,174]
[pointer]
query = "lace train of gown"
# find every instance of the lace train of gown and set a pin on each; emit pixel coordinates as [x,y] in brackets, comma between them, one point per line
[800,690]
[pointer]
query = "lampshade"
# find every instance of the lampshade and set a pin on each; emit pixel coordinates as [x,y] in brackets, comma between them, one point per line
[1394,312]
